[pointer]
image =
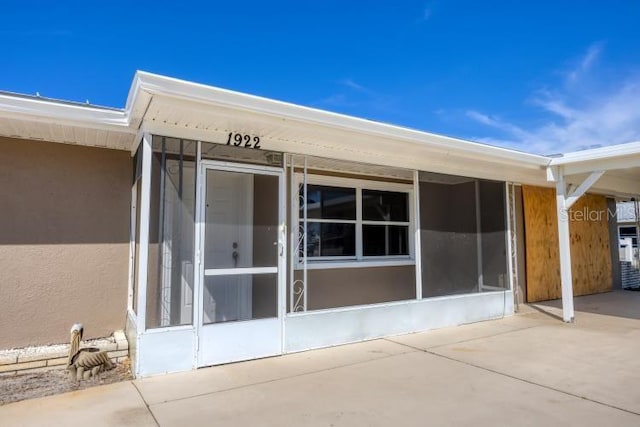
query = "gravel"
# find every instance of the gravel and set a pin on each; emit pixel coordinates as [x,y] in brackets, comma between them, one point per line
[39,384]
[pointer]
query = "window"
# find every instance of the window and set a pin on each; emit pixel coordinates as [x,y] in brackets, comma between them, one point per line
[355,220]
[385,223]
[629,232]
[331,221]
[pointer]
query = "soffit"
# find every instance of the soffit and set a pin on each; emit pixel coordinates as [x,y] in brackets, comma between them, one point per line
[170,116]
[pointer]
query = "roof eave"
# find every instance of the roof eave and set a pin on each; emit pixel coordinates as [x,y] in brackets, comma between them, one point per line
[158,85]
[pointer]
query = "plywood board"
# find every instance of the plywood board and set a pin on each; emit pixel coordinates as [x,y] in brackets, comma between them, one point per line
[590,250]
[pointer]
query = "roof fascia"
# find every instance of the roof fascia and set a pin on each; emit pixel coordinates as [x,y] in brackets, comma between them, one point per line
[621,156]
[175,88]
[599,154]
[43,110]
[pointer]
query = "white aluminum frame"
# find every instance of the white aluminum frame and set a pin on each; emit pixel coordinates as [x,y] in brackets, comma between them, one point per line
[132,249]
[172,349]
[512,241]
[232,331]
[359,260]
[479,236]
[635,235]
[417,239]
[168,348]
[143,254]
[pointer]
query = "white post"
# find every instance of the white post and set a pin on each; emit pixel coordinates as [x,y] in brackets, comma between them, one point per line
[417,244]
[305,276]
[565,249]
[513,243]
[132,248]
[198,268]
[144,208]
[294,200]
[479,237]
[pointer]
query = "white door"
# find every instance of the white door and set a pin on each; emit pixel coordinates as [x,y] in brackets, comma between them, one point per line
[242,258]
[229,243]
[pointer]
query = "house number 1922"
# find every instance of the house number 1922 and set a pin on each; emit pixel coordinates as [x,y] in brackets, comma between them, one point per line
[243,140]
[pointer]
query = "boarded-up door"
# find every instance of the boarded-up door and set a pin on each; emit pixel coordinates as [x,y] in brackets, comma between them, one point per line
[590,253]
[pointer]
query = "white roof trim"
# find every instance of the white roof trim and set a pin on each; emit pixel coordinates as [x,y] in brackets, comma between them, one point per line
[612,151]
[34,108]
[170,87]
[611,158]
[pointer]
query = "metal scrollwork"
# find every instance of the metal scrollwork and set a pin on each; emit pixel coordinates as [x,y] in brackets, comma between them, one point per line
[299,285]
[298,296]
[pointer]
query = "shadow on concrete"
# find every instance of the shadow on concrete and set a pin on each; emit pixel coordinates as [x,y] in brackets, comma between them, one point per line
[618,303]
[545,311]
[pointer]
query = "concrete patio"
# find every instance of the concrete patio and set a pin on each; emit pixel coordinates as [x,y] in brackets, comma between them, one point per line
[528,369]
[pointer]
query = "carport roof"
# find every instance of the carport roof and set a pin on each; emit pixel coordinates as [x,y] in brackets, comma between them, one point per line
[620,164]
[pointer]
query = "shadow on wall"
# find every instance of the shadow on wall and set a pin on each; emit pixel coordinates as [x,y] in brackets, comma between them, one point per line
[64,240]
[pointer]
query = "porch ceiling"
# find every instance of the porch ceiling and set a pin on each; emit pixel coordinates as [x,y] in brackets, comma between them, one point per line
[373,144]
[617,184]
[353,167]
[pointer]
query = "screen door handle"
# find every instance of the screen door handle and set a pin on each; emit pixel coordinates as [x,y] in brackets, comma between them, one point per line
[235,255]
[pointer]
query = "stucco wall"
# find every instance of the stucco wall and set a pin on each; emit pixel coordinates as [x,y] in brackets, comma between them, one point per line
[343,287]
[64,233]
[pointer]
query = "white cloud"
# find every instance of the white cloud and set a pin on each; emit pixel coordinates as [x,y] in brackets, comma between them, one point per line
[352,94]
[355,86]
[580,113]
[497,123]
[585,63]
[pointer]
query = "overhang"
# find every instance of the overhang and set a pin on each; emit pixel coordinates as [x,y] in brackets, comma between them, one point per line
[620,164]
[189,110]
[45,119]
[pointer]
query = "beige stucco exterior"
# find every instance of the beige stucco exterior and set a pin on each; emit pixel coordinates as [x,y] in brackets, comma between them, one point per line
[342,287]
[64,241]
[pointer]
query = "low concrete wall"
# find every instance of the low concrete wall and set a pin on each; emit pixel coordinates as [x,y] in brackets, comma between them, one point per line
[38,359]
[346,287]
[317,329]
[64,241]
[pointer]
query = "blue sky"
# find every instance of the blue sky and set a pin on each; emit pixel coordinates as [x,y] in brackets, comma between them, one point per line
[543,76]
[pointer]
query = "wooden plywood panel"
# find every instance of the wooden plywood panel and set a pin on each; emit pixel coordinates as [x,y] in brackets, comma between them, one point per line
[541,240]
[590,251]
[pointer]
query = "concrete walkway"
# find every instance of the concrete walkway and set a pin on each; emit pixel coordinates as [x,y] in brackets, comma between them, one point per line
[528,369]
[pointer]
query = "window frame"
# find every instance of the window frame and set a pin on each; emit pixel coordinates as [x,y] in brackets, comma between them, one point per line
[359,260]
[633,237]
